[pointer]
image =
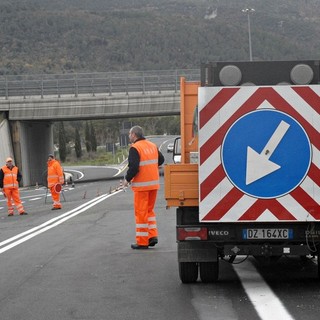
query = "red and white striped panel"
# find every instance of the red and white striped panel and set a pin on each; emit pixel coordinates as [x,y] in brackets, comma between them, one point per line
[219,108]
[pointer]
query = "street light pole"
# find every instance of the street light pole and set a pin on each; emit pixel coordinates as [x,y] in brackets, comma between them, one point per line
[248,11]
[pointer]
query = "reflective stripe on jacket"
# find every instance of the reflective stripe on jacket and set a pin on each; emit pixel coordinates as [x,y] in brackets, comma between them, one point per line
[148,176]
[10,177]
[55,173]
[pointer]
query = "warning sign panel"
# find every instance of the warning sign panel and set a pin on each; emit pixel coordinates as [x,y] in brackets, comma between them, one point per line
[259,153]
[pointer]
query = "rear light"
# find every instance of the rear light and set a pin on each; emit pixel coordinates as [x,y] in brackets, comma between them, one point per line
[192,234]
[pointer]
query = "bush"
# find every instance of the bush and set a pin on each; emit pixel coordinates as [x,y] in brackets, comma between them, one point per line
[99,158]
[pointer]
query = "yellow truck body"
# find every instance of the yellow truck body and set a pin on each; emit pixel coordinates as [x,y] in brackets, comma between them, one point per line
[181,180]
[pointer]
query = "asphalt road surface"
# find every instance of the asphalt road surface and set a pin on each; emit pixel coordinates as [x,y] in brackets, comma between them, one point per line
[76,263]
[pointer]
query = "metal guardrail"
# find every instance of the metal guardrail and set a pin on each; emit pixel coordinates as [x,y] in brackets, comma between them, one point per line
[94,83]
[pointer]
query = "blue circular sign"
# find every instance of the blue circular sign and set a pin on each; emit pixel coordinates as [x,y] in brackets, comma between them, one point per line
[266,154]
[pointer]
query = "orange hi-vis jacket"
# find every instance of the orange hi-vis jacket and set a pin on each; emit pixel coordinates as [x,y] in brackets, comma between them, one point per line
[148,176]
[10,177]
[55,173]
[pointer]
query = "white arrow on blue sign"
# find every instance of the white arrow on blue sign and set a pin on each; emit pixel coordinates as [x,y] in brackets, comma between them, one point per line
[266,154]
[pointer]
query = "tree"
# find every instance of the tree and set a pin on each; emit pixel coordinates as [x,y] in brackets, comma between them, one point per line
[88,138]
[77,146]
[62,143]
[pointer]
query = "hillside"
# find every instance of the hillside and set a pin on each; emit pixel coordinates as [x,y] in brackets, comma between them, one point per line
[55,36]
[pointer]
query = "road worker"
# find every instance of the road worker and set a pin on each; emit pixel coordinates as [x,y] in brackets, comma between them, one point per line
[143,174]
[55,176]
[10,177]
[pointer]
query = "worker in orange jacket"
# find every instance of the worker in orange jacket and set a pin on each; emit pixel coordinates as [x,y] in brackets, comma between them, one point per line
[55,176]
[10,177]
[143,174]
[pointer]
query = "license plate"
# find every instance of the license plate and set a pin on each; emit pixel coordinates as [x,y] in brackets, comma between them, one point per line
[277,233]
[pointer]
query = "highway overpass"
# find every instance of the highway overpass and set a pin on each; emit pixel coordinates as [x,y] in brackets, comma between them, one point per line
[29,104]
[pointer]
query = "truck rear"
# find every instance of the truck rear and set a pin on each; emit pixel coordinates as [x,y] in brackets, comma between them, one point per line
[248,183]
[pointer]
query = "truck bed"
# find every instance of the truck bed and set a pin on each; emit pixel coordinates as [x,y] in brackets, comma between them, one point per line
[181,185]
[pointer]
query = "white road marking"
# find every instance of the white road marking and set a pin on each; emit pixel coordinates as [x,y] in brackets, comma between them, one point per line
[264,300]
[76,171]
[29,234]
[211,305]
[27,197]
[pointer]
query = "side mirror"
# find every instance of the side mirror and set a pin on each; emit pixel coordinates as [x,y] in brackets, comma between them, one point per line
[177,150]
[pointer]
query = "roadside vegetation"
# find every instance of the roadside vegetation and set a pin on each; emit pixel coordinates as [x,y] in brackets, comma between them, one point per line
[99,158]
[40,37]
[73,36]
[104,141]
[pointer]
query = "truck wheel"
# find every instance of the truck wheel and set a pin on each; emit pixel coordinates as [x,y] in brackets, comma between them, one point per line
[188,272]
[209,271]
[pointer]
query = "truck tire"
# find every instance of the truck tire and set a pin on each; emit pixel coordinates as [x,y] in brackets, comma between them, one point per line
[209,271]
[188,272]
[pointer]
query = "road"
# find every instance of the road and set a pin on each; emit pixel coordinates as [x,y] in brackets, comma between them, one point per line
[94,173]
[77,264]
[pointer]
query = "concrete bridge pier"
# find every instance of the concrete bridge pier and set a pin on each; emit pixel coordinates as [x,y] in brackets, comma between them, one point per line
[6,149]
[32,141]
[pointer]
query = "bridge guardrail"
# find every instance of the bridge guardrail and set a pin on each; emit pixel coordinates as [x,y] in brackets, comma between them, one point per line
[94,83]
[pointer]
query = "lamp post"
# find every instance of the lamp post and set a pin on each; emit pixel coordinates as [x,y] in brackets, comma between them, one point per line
[248,11]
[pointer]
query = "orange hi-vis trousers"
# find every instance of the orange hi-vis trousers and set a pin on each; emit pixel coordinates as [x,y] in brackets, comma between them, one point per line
[13,196]
[146,224]
[55,197]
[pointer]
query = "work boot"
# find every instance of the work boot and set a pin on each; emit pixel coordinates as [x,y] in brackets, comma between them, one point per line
[137,246]
[23,213]
[10,214]
[55,208]
[153,241]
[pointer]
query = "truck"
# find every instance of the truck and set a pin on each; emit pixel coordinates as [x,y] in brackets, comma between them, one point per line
[247,182]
